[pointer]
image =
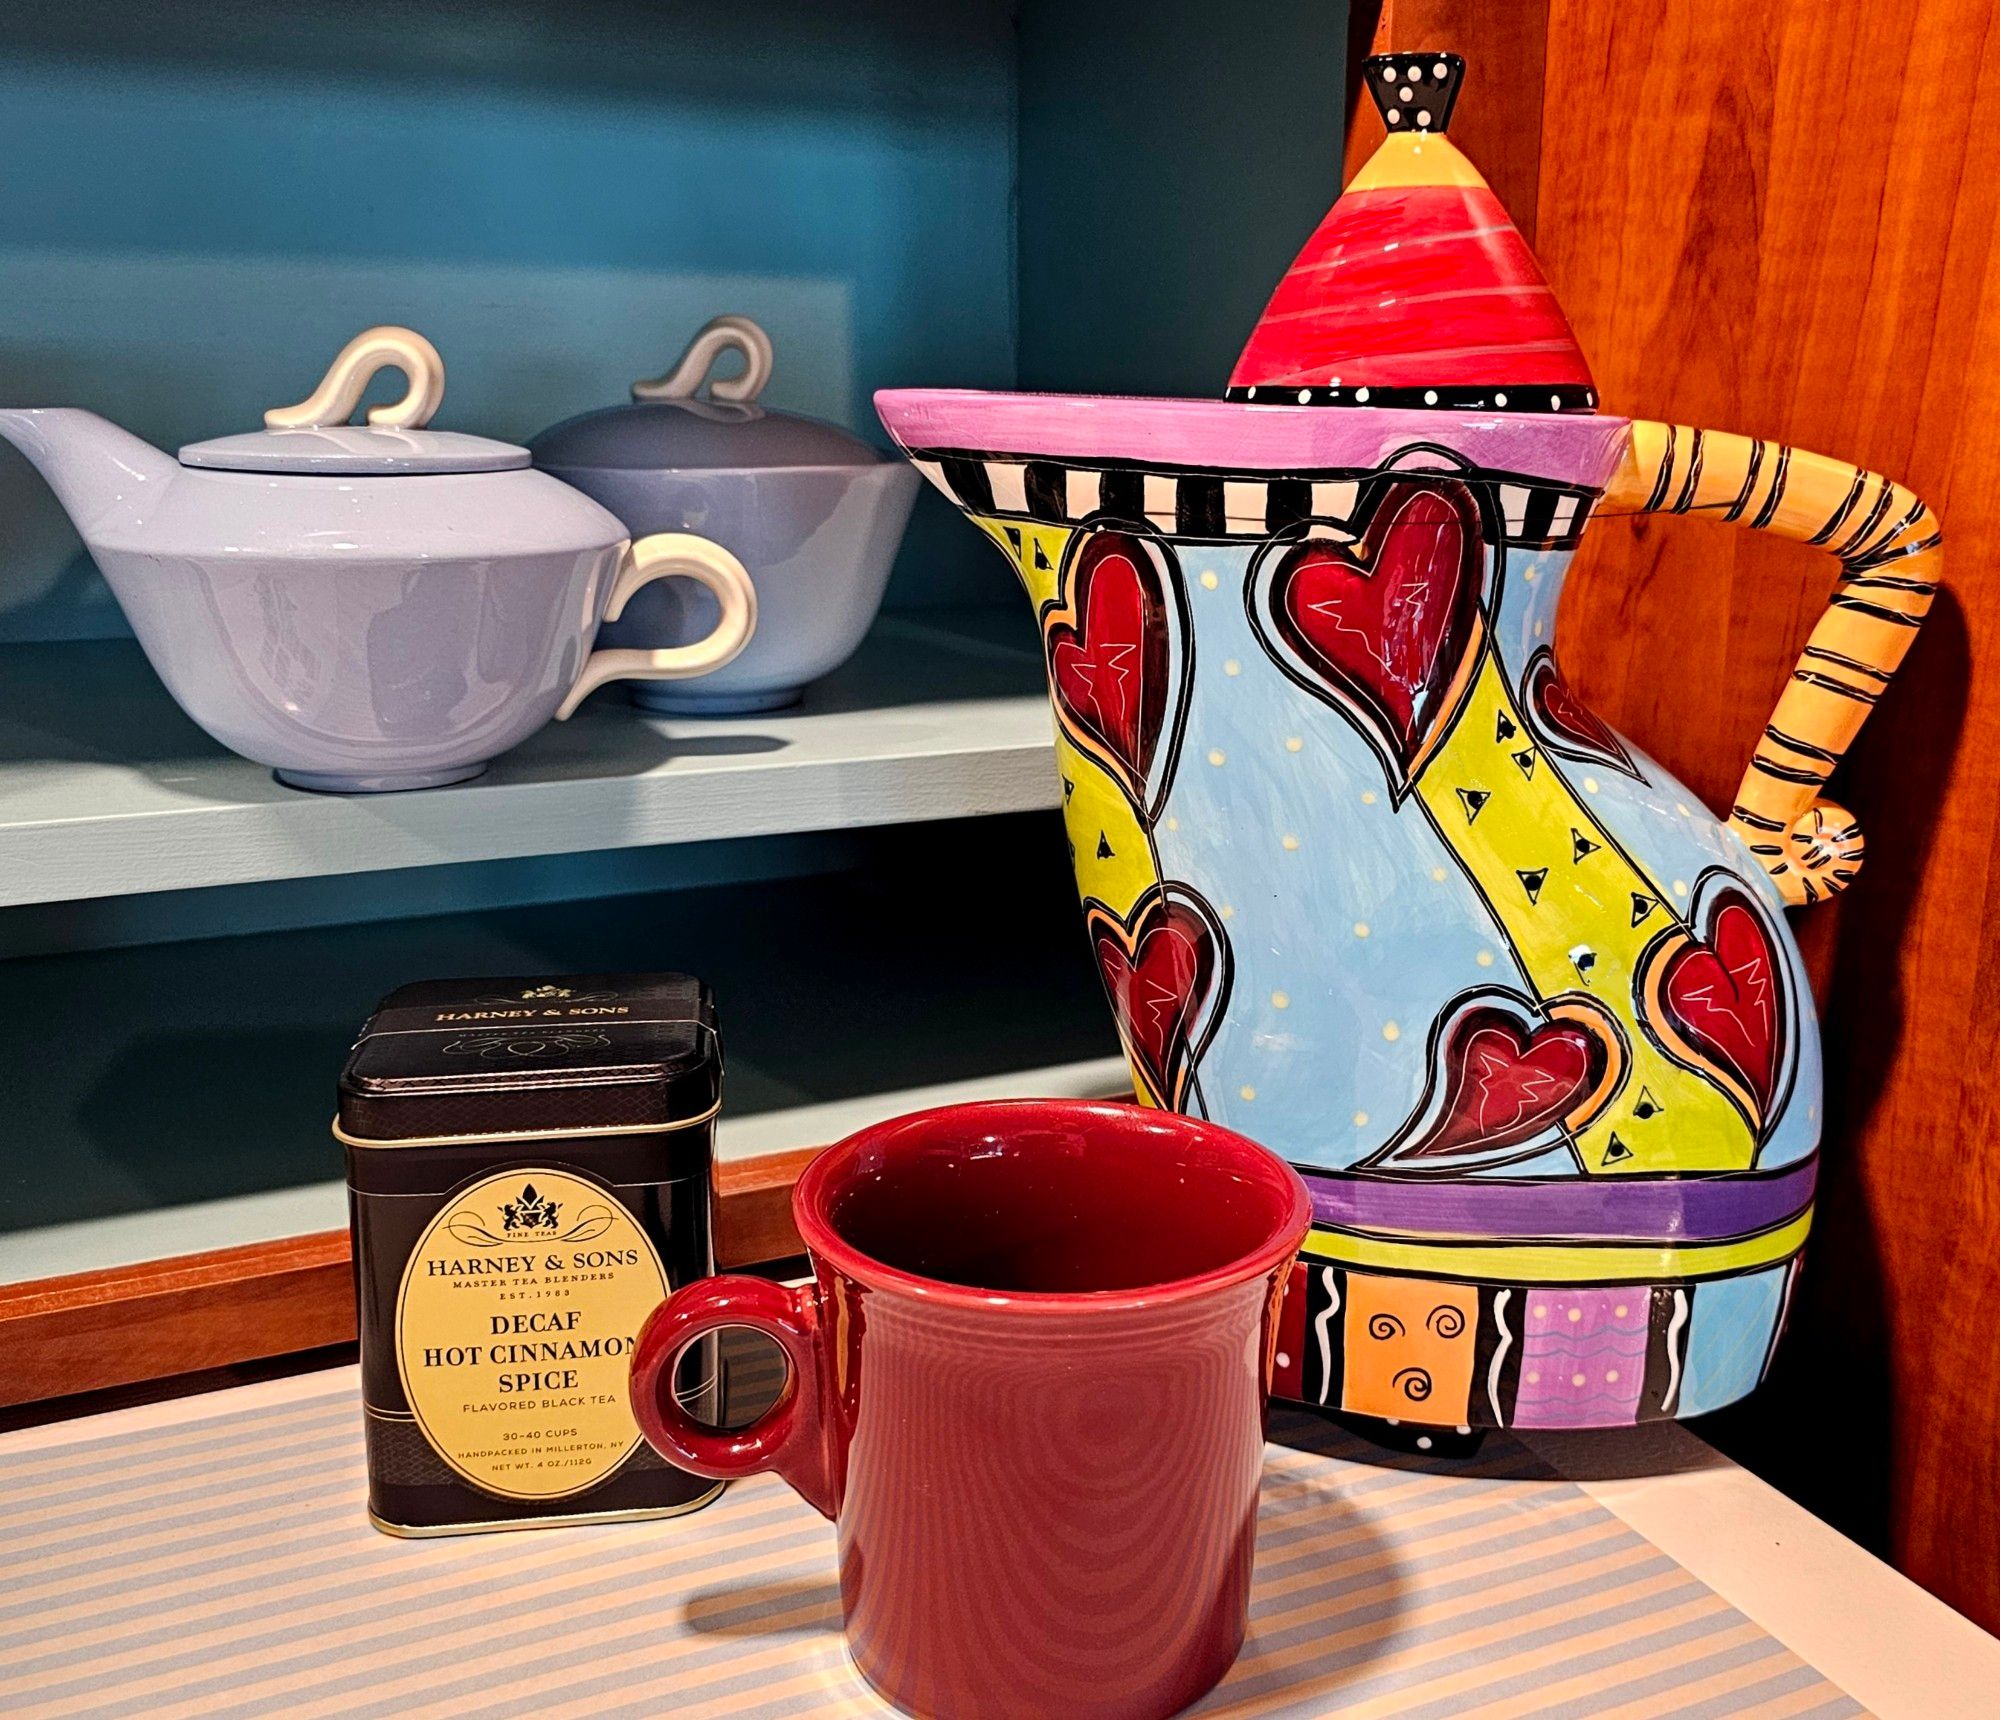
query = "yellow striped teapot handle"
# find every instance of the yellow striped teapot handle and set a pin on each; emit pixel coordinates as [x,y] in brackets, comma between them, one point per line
[1891,554]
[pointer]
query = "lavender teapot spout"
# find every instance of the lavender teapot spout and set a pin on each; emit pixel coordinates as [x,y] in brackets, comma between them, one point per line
[368,607]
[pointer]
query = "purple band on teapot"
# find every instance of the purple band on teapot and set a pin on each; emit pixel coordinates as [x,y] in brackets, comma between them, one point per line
[1677,1209]
[1223,435]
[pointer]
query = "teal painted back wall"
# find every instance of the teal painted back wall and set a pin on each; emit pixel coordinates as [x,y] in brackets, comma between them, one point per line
[1174,156]
[201,202]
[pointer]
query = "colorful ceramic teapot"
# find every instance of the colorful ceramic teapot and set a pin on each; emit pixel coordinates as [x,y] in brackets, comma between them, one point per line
[1366,880]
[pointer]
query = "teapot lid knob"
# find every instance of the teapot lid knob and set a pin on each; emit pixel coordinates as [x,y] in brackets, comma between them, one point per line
[717,336]
[347,379]
[1416,92]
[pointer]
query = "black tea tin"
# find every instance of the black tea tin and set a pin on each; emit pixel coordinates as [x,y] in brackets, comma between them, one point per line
[528,1168]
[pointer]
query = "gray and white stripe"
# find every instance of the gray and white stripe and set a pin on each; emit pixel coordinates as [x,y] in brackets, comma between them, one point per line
[223,1568]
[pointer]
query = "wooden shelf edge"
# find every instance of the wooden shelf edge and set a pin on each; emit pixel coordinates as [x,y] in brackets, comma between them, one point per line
[127,1325]
[753,1208]
[134,1325]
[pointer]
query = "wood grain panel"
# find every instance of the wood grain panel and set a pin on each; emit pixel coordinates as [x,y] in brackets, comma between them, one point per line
[1777,217]
[753,1209]
[111,1328]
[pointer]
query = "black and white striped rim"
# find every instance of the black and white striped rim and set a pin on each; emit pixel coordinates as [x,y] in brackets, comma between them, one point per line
[1219,505]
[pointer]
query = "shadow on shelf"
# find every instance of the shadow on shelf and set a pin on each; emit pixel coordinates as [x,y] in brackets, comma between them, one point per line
[99,702]
[96,702]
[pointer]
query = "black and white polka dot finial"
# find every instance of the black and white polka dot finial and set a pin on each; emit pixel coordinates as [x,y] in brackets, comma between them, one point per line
[1416,92]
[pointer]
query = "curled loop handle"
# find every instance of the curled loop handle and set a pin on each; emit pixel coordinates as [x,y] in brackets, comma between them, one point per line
[722,334]
[673,555]
[1891,554]
[789,1437]
[341,389]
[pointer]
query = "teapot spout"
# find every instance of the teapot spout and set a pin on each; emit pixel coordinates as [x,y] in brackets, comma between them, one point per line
[102,475]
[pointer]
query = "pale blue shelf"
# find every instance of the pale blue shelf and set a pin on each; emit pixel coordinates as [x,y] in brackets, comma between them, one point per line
[107,790]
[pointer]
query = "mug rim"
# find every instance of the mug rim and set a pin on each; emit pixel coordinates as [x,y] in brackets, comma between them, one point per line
[811,1207]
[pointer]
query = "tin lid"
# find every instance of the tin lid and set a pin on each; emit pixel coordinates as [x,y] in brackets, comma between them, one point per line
[457,1059]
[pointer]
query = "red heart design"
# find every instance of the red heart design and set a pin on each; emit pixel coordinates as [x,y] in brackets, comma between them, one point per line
[1388,621]
[1506,1082]
[1110,669]
[1565,720]
[1724,996]
[1159,969]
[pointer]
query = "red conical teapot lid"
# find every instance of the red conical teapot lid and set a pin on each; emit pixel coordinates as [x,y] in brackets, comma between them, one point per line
[1416,290]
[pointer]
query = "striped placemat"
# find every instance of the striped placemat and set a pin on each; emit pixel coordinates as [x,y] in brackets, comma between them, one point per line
[222,1567]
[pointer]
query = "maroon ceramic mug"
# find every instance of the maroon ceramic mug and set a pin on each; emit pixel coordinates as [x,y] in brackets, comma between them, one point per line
[1027,1382]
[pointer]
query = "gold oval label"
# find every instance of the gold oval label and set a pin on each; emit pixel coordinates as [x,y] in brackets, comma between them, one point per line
[514,1331]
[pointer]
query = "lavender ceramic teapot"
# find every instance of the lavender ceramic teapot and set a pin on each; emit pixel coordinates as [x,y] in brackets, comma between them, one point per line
[815,513]
[1363,876]
[368,607]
